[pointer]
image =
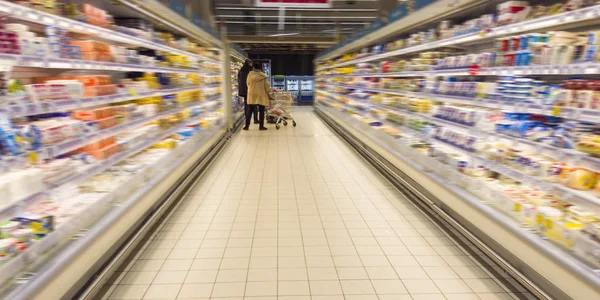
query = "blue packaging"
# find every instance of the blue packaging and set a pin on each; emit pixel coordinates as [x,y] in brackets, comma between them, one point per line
[29,137]
[502,127]
[523,44]
[522,58]
[590,54]
[8,139]
[39,223]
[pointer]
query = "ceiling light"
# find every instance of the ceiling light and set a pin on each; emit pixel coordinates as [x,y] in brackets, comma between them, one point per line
[334,30]
[297,23]
[297,17]
[299,9]
[284,34]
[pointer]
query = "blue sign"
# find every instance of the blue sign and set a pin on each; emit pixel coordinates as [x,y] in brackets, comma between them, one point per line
[177,7]
[422,3]
[398,13]
[376,25]
[196,20]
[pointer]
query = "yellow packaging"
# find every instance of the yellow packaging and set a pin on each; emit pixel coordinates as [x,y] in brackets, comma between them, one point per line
[166,144]
[564,233]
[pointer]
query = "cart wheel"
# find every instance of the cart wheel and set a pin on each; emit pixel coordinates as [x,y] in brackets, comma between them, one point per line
[277,126]
[294,123]
[284,123]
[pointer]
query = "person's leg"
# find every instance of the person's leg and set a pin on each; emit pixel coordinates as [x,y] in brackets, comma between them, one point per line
[249,116]
[262,117]
[256,121]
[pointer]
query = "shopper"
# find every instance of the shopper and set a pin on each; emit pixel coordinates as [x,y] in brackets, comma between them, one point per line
[259,93]
[243,86]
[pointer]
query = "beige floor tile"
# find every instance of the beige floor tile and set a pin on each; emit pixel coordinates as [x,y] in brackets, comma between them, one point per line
[129,291]
[162,291]
[293,288]
[206,276]
[325,287]
[228,289]
[262,275]
[261,288]
[195,291]
[170,277]
[357,287]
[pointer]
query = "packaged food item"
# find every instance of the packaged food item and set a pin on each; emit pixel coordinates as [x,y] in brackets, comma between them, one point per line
[8,143]
[7,227]
[40,224]
[546,218]
[7,247]
[581,179]
[23,236]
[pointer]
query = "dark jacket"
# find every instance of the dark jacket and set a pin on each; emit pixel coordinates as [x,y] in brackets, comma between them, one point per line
[242,77]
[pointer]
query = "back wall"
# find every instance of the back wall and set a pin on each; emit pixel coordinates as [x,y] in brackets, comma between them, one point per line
[288,64]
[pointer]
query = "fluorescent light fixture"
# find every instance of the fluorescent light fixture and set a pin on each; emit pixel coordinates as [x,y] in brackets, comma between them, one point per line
[297,17]
[285,34]
[299,9]
[334,30]
[297,23]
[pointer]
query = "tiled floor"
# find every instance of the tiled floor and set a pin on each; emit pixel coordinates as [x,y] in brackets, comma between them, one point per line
[295,214]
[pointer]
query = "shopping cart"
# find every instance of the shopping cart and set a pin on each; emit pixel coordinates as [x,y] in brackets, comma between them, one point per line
[280,109]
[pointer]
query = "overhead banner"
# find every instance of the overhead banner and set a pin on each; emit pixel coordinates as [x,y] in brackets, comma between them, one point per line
[294,3]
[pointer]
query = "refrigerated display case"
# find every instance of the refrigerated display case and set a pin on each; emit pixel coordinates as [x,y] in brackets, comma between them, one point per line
[307,89]
[104,116]
[499,138]
[292,85]
[237,103]
[279,82]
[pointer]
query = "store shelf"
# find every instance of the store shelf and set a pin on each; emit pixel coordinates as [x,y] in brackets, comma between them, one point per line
[582,114]
[31,15]
[107,201]
[87,218]
[557,70]
[586,15]
[103,165]
[578,158]
[60,63]
[76,143]
[36,108]
[587,199]
[73,144]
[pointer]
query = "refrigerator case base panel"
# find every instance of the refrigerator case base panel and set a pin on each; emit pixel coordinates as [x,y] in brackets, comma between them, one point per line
[536,259]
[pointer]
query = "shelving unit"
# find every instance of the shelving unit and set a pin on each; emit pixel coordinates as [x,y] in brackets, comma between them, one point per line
[458,156]
[162,118]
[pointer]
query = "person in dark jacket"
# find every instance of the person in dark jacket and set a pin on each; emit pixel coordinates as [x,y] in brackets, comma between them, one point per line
[243,87]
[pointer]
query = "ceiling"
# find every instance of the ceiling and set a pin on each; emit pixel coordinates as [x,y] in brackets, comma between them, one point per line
[272,29]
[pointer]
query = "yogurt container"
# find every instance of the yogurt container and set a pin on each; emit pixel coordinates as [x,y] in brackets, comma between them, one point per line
[546,218]
[23,235]
[7,227]
[7,247]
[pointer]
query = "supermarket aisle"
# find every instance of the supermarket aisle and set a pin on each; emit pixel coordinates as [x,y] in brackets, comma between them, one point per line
[295,214]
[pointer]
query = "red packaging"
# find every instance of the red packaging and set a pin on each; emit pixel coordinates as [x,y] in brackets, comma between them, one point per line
[509,59]
[515,43]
